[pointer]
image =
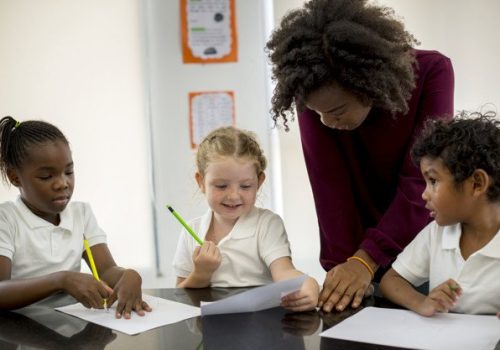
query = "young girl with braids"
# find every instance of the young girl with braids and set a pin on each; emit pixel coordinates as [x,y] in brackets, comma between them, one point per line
[42,232]
[362,93]
[243,245]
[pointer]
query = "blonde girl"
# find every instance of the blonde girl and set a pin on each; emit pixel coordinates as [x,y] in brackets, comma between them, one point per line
[243,245]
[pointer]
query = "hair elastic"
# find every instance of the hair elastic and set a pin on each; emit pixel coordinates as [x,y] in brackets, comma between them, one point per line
[16,126]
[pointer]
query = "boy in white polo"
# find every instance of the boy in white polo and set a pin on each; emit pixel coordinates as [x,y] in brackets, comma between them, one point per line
[458,252]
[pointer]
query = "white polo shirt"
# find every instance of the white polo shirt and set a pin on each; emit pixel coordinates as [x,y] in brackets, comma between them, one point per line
[37,247]
[256,240]
[434,256]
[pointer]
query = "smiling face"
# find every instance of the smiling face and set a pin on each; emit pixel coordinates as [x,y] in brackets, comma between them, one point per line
[337,107]
[230,186]
[46,179]
[447,202]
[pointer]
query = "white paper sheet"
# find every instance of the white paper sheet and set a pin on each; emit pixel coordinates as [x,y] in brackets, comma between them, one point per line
[164,312]
[256,299]
[406,329]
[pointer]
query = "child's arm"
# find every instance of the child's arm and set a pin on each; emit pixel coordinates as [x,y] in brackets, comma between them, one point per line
[304,299]
[398,290]
[15,294]
[206,260]
[126,283]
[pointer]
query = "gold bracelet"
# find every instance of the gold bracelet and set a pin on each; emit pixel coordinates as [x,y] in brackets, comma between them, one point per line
[361,260]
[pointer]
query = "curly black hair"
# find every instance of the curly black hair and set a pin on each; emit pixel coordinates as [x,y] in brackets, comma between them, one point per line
[471,141]
[17,137]
[360,46]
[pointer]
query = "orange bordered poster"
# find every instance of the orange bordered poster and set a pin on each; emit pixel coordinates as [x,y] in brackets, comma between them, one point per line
[208,29]
[208,111]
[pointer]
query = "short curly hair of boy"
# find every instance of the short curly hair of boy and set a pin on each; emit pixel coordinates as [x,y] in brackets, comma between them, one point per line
[362,47]
[470,141]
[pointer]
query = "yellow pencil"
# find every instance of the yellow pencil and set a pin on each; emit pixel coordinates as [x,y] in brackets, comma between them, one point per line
[92,265]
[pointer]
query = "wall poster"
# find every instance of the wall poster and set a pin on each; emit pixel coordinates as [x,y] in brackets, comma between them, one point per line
[207,111]
[208,29]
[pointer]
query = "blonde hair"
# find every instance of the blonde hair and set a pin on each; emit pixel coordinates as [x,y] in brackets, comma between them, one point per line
[230,142]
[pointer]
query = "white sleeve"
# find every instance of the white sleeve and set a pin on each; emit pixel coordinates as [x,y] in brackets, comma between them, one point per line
[94,234]
[6,236]
[183,261]
[413,263]
[273,240]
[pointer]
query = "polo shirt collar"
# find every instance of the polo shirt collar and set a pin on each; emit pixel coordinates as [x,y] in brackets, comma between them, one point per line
[34,221]
[205,224]
[451,240]
[451,237]
[492,249]
[244,227]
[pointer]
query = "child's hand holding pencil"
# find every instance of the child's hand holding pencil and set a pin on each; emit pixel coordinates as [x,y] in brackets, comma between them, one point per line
[126,291]
[94,268]
[85,288]
[443,298]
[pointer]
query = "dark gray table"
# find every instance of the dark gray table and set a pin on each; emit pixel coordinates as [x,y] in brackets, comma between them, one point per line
[45,328]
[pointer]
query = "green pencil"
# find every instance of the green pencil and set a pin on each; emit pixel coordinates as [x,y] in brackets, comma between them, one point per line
[186,226]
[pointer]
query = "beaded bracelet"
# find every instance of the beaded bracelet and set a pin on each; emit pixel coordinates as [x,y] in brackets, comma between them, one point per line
[361,260]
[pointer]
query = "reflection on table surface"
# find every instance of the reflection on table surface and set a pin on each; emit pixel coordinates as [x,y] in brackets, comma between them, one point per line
[44,328]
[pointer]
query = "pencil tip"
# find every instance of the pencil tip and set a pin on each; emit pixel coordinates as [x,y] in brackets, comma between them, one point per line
[170,208]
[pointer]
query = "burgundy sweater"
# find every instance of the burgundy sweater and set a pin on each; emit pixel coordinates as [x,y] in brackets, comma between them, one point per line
[367,192]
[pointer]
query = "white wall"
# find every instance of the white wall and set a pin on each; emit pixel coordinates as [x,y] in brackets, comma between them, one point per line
[78,64]
[466,31]
[298,205]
